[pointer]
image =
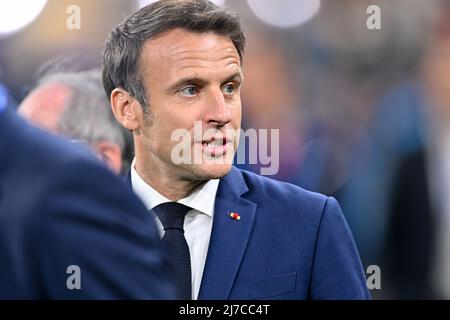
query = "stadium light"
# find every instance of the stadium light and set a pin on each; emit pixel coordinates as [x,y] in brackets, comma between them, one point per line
[284,13]
[17,14]
[143,3]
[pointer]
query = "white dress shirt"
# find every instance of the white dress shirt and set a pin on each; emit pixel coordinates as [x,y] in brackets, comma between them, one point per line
[197,223]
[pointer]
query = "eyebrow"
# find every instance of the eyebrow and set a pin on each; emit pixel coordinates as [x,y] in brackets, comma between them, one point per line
[201,82]
[237,76]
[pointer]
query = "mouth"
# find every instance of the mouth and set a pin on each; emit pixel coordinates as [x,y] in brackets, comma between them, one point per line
[215,146]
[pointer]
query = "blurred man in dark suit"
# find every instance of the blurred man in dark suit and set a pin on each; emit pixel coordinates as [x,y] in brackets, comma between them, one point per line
[417,244]
[69,228]
[176,67]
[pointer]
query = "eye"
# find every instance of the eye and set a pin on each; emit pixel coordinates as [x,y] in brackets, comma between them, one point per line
[229,88]
[189,91]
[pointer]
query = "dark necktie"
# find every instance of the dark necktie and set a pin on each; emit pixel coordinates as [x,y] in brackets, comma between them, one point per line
[171,215]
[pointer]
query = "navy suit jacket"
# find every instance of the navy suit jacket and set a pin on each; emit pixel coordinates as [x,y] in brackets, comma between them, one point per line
[60,207]
[288,244]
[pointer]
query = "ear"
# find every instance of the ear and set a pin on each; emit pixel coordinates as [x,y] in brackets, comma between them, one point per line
[111,154]
[126,109]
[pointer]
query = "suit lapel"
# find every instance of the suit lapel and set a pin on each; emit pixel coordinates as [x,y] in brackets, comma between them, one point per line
[229,237]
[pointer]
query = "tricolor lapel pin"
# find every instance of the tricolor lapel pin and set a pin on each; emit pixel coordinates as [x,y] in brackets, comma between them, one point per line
[235,216]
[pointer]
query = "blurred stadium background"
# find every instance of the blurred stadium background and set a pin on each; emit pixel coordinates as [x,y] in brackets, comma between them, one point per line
[362,113]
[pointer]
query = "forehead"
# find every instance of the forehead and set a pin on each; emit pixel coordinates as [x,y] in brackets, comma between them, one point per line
[49,97]
[45,105]
[179,51]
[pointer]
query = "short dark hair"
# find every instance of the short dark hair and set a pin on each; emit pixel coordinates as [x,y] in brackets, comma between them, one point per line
[123,47]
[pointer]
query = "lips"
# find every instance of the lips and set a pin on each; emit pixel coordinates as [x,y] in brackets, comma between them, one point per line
[215,146]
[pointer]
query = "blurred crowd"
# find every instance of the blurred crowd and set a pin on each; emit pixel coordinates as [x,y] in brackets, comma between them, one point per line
[364,116]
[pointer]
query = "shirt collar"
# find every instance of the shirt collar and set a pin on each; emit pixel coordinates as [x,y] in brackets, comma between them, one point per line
[201,199]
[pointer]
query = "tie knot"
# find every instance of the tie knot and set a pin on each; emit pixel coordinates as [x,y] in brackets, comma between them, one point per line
[171,215]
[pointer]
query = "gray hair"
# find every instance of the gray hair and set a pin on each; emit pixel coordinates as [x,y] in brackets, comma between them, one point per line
[124,45]
[87,114]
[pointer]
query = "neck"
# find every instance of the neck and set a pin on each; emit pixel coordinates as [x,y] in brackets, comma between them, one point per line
[164,181]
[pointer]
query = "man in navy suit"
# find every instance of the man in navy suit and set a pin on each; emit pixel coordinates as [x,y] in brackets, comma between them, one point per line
[69,228]
[171,68]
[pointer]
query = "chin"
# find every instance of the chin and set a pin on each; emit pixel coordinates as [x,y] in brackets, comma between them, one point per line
[211,171]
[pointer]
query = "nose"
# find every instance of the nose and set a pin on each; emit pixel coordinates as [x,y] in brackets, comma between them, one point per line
[218,110]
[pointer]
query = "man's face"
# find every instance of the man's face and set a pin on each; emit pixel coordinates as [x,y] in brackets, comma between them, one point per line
[190,78]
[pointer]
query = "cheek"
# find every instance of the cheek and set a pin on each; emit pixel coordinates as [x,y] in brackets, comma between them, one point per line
[237,113]
[173,123]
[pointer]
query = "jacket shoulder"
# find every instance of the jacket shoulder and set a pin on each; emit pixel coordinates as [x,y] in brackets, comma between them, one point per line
[271,189]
